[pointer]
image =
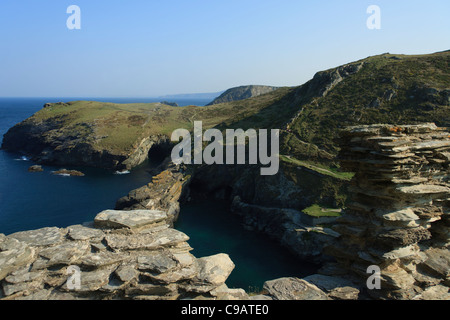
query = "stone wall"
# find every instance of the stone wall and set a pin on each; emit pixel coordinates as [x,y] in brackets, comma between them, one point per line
[398,218]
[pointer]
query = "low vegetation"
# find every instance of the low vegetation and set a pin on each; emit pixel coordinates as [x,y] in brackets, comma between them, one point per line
[318,211]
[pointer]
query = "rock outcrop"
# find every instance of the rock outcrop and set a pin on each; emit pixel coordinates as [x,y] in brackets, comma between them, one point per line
[398,219]
[121,255]
[272,204]
[241,93]
[162,193]
[286,226]
[65,172]
[55,135]
[35,168]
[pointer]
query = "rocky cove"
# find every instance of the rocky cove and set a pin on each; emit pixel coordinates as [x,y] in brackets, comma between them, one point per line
[134,252]
[111,251]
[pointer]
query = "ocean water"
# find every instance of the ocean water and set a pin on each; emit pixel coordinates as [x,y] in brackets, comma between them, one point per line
[35,200]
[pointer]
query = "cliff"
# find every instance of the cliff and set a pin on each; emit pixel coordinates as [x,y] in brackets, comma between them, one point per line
[388,88]
[242,93]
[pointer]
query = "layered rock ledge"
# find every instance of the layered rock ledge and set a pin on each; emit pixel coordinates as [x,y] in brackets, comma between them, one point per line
[121,255]
[127,255]
[398,218]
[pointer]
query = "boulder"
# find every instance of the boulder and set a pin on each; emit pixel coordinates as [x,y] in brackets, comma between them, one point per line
[214,270]
[35,168]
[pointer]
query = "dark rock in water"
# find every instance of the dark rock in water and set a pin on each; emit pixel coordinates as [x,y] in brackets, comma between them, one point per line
[35,168]
[66,172]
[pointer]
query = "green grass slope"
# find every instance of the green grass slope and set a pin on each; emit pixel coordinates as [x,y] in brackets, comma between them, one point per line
[388,88]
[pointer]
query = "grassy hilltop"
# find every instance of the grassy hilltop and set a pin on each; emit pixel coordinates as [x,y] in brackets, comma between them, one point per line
[381,89]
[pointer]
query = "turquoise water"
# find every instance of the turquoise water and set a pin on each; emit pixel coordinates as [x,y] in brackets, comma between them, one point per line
[214,229]
[35,200]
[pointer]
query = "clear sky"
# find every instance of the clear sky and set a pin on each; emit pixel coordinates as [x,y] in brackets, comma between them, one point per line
[144,48]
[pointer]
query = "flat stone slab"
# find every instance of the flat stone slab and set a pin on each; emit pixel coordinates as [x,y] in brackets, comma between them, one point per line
[438,292]
[104,258]
[403,252]
[169,237]
[294,289]
[39,238]
[128,219]
[158,262]
[13,254]
[424,189]
[431,145]
[79,232]
[64,254]
[126,273]
[165,238]
[438,260]
[23,275]
[329,283]
[404,215]
[94,280]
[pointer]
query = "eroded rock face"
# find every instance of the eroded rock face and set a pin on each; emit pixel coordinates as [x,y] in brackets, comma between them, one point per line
[270,204]
[398,218]
[162,193]
[46,142]
[123,255]
[241,93]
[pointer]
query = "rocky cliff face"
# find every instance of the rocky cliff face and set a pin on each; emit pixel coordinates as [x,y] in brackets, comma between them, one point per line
[270,204]
[398,219]
[128,254]
[241,93]
[47,146]
[162,193]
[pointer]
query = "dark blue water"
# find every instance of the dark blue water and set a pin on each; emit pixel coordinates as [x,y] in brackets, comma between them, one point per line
[213,229]
[35,200]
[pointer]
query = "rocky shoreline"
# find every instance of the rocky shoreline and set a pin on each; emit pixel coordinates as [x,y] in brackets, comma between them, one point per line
[121,255]
[398,221]
[133,253]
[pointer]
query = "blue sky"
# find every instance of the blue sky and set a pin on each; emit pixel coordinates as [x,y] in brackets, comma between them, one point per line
[144,48]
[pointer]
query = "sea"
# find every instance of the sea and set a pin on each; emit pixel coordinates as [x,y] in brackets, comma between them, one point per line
[35,200]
